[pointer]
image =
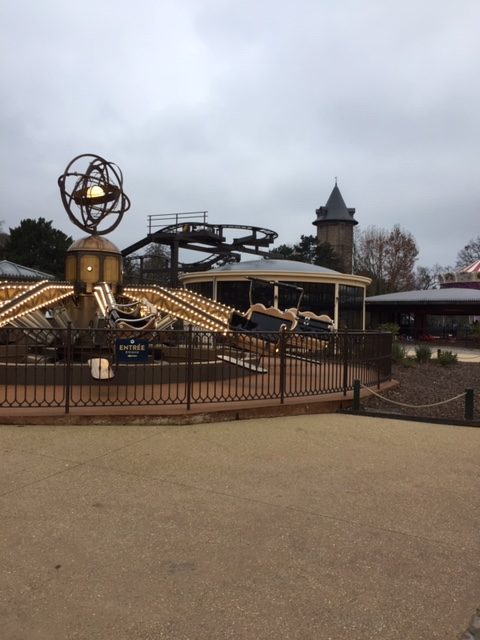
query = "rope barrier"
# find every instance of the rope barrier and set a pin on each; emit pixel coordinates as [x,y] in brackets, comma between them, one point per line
[413,406]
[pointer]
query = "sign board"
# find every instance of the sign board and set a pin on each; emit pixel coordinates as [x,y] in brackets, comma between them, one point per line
[131,350]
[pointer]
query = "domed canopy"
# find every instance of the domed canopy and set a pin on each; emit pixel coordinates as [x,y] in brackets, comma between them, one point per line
[94,244]
[278,270]
[273,266]
[92,260]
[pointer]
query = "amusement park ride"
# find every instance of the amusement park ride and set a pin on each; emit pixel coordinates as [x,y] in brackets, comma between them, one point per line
[93,294]
[191,231]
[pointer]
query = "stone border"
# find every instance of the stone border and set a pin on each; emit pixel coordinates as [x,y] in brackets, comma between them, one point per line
[473,631]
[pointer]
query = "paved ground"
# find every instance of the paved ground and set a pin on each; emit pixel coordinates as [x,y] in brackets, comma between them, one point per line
[310,527]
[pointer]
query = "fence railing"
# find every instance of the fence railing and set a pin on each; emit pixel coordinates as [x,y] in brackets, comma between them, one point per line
[62,367]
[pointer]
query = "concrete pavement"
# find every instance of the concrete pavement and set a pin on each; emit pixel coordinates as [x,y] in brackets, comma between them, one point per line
[309,527]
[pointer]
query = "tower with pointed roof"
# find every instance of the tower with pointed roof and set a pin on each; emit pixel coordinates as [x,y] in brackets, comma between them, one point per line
[335,224]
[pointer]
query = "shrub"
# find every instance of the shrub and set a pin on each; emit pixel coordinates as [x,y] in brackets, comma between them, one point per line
[475,329]
[423,353]
[409,362]
[398,352]
[446,358]
[391,327]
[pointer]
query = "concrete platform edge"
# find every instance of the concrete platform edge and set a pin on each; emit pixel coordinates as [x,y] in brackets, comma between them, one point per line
[138,415]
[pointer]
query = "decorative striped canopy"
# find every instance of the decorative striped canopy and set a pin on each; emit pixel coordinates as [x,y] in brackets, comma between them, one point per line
[472,268]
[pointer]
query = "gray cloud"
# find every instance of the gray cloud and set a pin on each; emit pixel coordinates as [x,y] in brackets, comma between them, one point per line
[249,110]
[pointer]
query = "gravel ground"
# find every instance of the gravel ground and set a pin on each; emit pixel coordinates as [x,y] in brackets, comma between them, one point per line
[428,384]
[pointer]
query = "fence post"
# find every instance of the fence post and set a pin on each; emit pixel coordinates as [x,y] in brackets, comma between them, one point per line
[390,356]
[189,366]
[356,395]
[281,346]
[468,404]
[345,362]
[68,370]
[380,354]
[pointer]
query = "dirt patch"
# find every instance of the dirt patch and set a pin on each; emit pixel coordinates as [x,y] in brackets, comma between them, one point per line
[430,383]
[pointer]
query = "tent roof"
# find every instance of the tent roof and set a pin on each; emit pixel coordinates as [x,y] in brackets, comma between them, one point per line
[12,270]
[453,295]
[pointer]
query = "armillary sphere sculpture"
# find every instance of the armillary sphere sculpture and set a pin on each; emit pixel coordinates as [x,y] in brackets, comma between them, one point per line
[93,192]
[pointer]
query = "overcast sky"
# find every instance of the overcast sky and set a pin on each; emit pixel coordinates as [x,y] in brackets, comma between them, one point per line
[249,109]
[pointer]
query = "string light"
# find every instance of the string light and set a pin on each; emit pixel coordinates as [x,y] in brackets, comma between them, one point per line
[14,309]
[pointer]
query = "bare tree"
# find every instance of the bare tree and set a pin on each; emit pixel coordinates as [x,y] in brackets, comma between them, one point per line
[470,253]
[430,277]
[150,267]
[387,257]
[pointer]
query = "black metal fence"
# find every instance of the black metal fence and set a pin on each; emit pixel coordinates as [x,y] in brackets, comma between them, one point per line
[69,368]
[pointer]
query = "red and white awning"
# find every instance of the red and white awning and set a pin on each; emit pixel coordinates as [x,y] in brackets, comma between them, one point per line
[472,268]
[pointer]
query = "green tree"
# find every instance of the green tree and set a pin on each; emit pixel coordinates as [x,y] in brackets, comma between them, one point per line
[326,257]
[38,245]
[307,250]
[283,252]
[3,240]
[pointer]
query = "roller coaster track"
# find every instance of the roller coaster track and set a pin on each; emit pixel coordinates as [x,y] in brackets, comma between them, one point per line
[209,238]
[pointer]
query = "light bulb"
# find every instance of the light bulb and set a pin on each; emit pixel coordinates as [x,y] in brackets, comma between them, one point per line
[95,191]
